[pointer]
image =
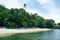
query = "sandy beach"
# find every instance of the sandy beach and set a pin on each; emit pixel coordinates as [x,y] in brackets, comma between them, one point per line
[5,31]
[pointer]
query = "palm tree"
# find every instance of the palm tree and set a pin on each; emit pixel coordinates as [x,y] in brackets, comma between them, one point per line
[24,5]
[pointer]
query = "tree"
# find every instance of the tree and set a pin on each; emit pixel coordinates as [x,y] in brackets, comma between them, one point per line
[25,5]
[11,25]
[40,20]
[2,19]
[58,25]
[24,24]
[14,17]
[50,23]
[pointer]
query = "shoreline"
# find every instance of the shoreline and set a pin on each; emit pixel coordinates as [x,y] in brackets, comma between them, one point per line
[29,30]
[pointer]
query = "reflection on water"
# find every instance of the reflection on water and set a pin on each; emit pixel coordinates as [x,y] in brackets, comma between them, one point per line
[57,34]
[47,35]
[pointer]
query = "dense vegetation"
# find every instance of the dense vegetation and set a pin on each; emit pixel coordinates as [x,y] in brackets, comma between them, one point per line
[17,18]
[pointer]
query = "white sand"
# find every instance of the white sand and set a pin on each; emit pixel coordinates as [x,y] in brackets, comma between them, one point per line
[5,31]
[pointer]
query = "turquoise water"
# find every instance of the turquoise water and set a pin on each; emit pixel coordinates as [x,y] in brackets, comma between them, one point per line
[47,35]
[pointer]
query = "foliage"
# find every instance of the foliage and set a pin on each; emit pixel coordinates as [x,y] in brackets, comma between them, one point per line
[58,25]
[50,23]
[12,17]
[10,25]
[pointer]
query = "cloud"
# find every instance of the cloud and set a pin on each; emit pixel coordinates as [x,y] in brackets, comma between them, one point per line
[53,11]
[32,10]
[13,3]
[43,1]
[23,1]
[10,3]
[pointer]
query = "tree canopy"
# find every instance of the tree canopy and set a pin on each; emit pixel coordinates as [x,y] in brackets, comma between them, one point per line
[17,18]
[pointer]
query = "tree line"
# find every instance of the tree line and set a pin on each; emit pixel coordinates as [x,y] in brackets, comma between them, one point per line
[19,18]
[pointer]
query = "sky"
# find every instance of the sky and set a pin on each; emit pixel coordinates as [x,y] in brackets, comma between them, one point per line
[49,9]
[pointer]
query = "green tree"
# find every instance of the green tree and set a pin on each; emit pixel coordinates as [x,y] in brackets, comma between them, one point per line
[58,25]
[11,25]
[24,24]
[25,5]
[50,23]
[12,17]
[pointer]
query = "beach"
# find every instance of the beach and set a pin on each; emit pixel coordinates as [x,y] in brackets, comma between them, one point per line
[28,30]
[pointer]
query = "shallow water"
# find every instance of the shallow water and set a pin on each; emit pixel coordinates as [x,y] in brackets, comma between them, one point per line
[47,35]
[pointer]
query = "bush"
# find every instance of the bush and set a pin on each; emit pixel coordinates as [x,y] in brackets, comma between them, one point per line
[11,25]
